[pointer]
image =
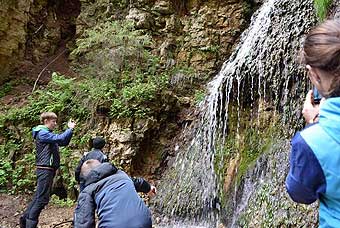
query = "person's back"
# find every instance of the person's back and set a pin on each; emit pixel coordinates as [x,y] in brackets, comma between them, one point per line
[324,141]
[112,193]
[315,155]
[96,153]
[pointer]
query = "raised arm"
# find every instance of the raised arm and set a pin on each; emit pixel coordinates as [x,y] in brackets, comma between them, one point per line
[62,139]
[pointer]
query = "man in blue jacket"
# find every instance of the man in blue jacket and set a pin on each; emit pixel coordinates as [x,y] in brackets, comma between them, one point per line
[113,195]
[47,162]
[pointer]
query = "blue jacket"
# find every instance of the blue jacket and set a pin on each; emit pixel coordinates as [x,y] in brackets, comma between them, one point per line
[113,195]
[47,145]
[315,164]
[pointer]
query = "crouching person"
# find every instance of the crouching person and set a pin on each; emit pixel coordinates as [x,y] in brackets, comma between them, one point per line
[113,195]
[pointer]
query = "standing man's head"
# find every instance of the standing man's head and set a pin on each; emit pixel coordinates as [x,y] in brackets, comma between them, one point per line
[49,119]
[98,143]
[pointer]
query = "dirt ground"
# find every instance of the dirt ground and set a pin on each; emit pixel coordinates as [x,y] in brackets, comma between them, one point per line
[11,208]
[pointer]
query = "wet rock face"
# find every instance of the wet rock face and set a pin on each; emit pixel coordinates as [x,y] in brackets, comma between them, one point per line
[263,73]
[335,10]
[32,30]
[199,34]
[261,199]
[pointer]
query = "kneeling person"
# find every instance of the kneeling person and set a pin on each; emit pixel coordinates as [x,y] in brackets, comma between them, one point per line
[113,195]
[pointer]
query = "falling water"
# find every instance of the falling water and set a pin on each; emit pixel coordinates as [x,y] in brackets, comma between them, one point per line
[262,68]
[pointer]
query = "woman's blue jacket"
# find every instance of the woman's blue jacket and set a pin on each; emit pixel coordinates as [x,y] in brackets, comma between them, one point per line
[315,164]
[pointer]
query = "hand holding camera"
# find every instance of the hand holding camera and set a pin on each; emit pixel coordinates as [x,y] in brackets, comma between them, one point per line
[71,124]
[152,192]
[311,106]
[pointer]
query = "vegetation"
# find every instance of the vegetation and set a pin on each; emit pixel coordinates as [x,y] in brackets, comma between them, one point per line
[131,76]
[117,71]
[322,7]
[199,96]
[4,89]
[61,202]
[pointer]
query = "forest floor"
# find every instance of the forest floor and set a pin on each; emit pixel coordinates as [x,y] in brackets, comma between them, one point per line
[53,216]
[12,206]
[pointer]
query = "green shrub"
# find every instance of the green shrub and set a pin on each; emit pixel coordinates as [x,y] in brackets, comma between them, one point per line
[4,89]
[5,173]
[131,76]
[199,96]
[61,202]
[322,7]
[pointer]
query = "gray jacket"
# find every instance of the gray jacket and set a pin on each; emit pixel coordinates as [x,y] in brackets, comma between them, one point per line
[114,197]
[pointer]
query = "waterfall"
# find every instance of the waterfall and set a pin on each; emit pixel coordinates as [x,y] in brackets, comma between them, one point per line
[262,73]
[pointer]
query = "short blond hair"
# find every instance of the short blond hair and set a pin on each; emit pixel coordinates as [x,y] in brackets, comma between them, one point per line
[88,166]
[47,116]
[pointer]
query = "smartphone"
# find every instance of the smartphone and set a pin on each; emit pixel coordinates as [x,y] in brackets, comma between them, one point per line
[316,96]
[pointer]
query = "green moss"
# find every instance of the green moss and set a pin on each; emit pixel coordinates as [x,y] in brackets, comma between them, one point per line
[199,96]
[256,142]
[5,89]
[322,7]
[244,146]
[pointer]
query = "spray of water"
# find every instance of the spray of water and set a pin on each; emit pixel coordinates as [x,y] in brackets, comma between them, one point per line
[262,68]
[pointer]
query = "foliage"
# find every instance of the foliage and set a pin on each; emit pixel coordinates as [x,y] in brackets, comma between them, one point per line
[60,96]
[110,48]
[117,70]
[19,175]
[5,88]
[322,7]
[61,202]
[5,172]
[132,76]
[67,166]
[199,96]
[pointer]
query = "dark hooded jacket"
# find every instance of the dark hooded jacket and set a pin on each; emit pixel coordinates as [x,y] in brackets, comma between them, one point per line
[113,195]
[47,145]
[96,154]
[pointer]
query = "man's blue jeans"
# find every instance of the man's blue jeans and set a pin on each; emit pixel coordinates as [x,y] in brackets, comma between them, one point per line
[40,198]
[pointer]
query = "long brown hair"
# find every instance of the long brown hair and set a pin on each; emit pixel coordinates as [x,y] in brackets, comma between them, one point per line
[322,50]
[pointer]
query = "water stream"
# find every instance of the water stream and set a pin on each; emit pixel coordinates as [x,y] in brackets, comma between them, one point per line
[261,74]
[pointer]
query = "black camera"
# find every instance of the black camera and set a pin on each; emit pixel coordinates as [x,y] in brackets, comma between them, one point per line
[316,96]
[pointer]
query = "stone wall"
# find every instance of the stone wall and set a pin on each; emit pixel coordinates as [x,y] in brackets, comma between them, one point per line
[31,31]
[197,34]
[14,16]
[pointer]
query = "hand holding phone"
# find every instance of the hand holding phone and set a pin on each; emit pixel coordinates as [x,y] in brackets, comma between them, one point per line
[310,109]
[316,96]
